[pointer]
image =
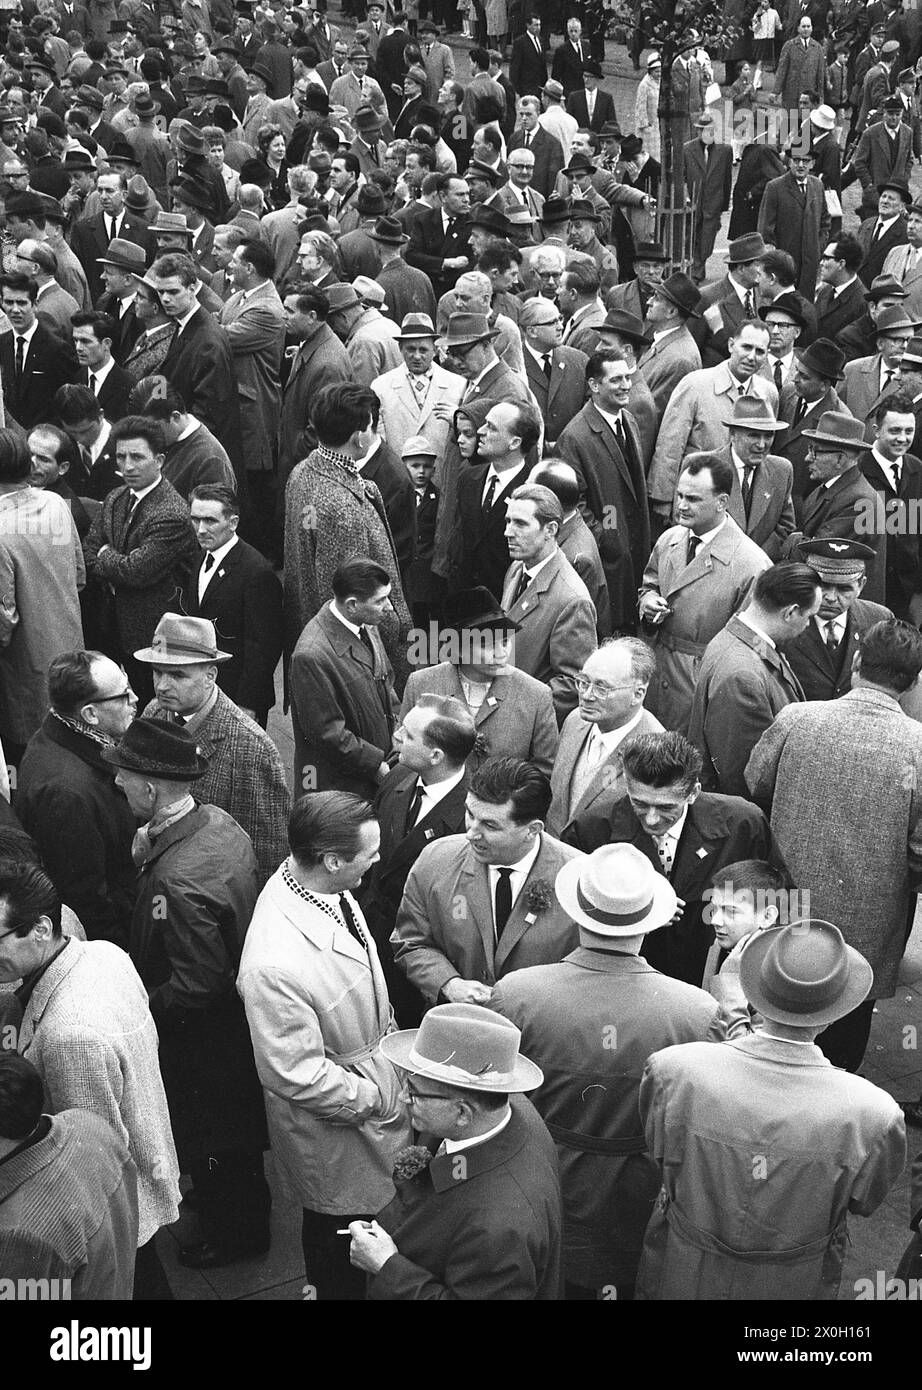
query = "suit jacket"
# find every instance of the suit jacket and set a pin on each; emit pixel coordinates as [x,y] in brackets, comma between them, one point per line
[604,787]
[128,328]
[89,241]
[319,361]
[560,398]
[877,158]
[578,106]
[150,553]
[875,252]
[793,445]
[48,364]
[709,183]
[849,509]
[702,597]
[431,245]
[742,684]
[244,601]
[407,290]
[402,413]
[200,364]
[721,313]
[664,363]
[435,942]
[824,674]
[579,545]
[590,446]
[387,470]
[771,511]
[832,315]
[255,329]
[114,392]
[484,554]
[549,158]
[797,223]
[861,391]
[567,65]
[343,707]
[511,1194]
[557,627]
[527,67]
[516,719]
[900,262]
[903,543]
[718,830]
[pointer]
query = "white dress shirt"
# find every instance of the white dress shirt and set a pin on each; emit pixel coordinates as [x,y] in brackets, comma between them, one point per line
[520,872]
[205,576]
[433,793]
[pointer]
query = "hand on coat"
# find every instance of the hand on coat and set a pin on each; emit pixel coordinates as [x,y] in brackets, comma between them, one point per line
[677,915]
[371,1246]
[459,991]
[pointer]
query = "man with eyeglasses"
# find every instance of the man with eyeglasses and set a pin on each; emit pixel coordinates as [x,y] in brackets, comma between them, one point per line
[517,191]
[482,1220]
[868,381]
[556,374]
[66,798]
[587,769]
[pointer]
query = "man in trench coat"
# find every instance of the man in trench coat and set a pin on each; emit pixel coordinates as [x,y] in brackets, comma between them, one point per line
[765,1149]
[793,218]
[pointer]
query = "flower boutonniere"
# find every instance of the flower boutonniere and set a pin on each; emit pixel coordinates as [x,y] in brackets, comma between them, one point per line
[410,1162]
[481,747]
[539,896]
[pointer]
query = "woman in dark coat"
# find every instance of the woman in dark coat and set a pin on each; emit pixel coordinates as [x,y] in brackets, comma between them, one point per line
[760,162]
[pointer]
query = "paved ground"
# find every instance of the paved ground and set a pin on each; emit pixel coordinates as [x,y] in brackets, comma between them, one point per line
[893,1059]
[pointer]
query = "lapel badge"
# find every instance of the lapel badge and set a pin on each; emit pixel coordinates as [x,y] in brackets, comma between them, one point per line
[702,853]
[491,700]
[428,834]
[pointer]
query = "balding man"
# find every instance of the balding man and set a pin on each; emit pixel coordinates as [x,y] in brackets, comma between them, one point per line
[587,771]
[54,307]
[574,537]
[473,294]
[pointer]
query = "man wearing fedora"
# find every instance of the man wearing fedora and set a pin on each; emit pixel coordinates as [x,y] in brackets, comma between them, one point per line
[91,237]
[715,1116]
[479,1219]
[793,217]
[318,1011]
[407,290]
[625,332]
[787,323]
[727,302]
[123,265]
[810,394]
[869,381]
[196,893]
[745,679]
[760,498]
[513,713]
[905,262]
[671,352]
[822,657]
[591,1022]
[369,338]
[839,500]
[858,339]
[367,146]
[259,80]
[708,169]
[592,106]
[698,575]
[355,88]
[244,774]
[419,396]
[479,905]
[885,229]
[694,417]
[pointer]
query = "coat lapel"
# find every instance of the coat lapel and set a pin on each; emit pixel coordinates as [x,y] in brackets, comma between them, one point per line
[518,923]
[474,888]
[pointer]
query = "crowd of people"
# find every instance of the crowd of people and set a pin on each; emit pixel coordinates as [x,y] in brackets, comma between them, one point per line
[341,377]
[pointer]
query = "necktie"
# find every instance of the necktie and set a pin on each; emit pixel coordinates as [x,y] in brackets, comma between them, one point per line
[750,305]
[524,581]
[897,471]
[620,435]
[546,365]
[503,904]
[209,562]
[707,156]
[92,382]
[832,641]
[133,505]
[180,719]
[693,543]
[351,923]
[747,487]
[878,231]
[420,386]
[110,228]
[413,807]
[777,374]
[800,410]
[666,855]
[366,640]
[490,494]
[528,139]
[20,355]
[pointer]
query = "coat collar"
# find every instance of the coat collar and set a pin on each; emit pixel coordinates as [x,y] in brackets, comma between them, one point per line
[480,1158]
[609,962]
[175,833]
[315,926]
[83,748]
[765,1048]
[56,973]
